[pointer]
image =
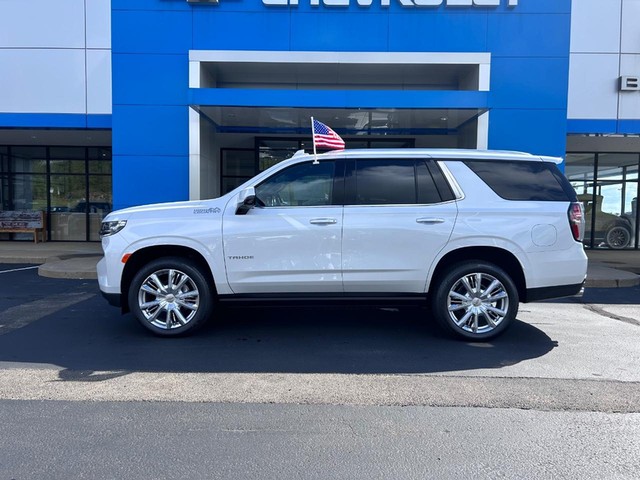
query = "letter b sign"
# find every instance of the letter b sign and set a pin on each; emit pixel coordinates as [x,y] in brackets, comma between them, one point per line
[629,84]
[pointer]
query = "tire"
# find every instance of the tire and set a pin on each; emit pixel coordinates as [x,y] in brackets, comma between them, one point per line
[463,311]
[618,237]
[175,311]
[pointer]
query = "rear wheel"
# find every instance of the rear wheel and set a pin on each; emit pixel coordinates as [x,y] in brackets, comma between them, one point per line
[475,300]
[170,296]
[618,236]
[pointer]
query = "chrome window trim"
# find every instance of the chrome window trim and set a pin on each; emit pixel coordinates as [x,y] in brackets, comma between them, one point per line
[457,191]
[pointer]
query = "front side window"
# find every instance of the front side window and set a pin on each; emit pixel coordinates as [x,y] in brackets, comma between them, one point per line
[302,185]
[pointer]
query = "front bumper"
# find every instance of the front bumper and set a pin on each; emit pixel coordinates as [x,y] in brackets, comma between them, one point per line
[114,299]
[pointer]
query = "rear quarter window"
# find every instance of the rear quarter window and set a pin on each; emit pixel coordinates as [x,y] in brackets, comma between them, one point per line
[524,180]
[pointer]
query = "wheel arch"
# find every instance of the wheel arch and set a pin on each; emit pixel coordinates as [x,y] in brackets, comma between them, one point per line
[500,257]
[147,254]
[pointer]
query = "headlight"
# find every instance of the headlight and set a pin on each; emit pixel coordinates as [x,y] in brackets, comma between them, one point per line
[111,228]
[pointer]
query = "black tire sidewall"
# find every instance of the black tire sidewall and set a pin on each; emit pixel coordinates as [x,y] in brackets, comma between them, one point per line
[192,270]
[627,233]
[446,281]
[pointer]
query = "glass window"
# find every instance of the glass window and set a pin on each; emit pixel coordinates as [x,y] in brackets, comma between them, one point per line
[268,158]
[34,178]
[4,159]
[72,167]
[29,192]
[5,198]
[99,153]
[579,169]
[385,182]
[99,203]
[618,166]
[238,163]
[427,191]
[28,160]
[67,153]
[229,183]
[612,218]
[300,185]
[522,180]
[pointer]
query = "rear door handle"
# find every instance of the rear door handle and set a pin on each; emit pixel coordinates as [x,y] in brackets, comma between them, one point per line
[429,220]
[323,221]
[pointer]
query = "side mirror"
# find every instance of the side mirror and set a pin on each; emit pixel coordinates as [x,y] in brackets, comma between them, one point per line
[246,201]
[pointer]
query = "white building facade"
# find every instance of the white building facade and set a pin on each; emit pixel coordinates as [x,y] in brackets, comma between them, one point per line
[72,84]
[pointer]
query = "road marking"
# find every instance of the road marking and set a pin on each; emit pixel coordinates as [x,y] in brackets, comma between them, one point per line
[22,315]
[19,269]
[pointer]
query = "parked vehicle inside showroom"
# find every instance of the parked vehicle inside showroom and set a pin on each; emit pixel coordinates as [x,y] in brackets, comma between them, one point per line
[474,233]
[610,230]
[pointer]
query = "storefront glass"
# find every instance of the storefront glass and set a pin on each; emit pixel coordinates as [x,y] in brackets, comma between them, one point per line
[72,185]
[607,184]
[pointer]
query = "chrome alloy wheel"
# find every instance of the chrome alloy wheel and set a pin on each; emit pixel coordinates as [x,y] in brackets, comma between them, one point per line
[478,303]
[168,299]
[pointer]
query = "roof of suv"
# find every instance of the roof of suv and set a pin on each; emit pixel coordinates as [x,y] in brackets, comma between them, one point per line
[445,153]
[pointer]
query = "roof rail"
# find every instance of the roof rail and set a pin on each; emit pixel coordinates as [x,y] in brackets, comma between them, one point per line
[298,153]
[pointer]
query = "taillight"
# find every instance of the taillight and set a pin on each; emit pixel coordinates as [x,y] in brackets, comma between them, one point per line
[576,220]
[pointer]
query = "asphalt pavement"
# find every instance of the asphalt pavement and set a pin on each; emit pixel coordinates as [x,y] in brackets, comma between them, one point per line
[314,391]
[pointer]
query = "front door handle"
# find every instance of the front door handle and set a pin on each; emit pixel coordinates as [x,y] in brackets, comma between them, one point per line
[429,220]
[323,221]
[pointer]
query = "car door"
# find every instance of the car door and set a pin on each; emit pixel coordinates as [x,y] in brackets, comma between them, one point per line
[398,214]
[290,242]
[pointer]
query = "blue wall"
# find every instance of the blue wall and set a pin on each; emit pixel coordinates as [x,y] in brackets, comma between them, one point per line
[151,39]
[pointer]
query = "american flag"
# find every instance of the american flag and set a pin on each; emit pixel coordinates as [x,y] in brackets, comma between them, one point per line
[323,136]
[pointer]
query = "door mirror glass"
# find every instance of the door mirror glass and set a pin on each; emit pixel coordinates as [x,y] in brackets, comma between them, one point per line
[246,200]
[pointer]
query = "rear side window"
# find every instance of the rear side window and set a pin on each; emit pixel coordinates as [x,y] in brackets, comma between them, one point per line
[385,182]
[523,180]
[394,182]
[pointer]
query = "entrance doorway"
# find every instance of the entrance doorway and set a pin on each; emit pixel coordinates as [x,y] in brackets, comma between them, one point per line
[237,165]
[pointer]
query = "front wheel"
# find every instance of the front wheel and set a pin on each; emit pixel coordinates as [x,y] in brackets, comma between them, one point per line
[170,296]
[475,300]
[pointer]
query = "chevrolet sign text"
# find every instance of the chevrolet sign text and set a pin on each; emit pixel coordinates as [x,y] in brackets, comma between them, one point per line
[403,3]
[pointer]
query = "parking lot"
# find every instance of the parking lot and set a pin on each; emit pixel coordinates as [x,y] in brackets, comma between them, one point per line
[314,391]
[63,330]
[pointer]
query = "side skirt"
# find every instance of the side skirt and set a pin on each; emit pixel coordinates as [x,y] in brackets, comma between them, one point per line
[325,299]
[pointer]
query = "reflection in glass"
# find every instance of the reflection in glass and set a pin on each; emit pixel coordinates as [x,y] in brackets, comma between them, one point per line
[100,203]
[609,196]
[29,192]
[300,185]
[28,160]
[71,194]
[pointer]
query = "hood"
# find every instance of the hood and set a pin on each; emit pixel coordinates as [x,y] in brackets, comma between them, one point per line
[169,209]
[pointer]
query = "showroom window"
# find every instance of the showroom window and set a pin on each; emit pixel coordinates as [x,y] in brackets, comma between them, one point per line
[72,185]
[607,185]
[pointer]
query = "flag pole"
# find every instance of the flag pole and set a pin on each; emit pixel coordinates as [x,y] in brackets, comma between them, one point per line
[313,137]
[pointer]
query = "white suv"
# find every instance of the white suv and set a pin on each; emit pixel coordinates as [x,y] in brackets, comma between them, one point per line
[473,232]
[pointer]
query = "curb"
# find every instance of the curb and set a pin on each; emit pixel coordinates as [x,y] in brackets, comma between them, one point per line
[24,259]
[612,282]
[78,268]
[603,276]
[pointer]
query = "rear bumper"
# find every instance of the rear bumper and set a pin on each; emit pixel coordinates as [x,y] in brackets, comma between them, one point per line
[543,293]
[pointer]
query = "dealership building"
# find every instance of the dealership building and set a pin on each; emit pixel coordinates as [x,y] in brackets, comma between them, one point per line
[106,104]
